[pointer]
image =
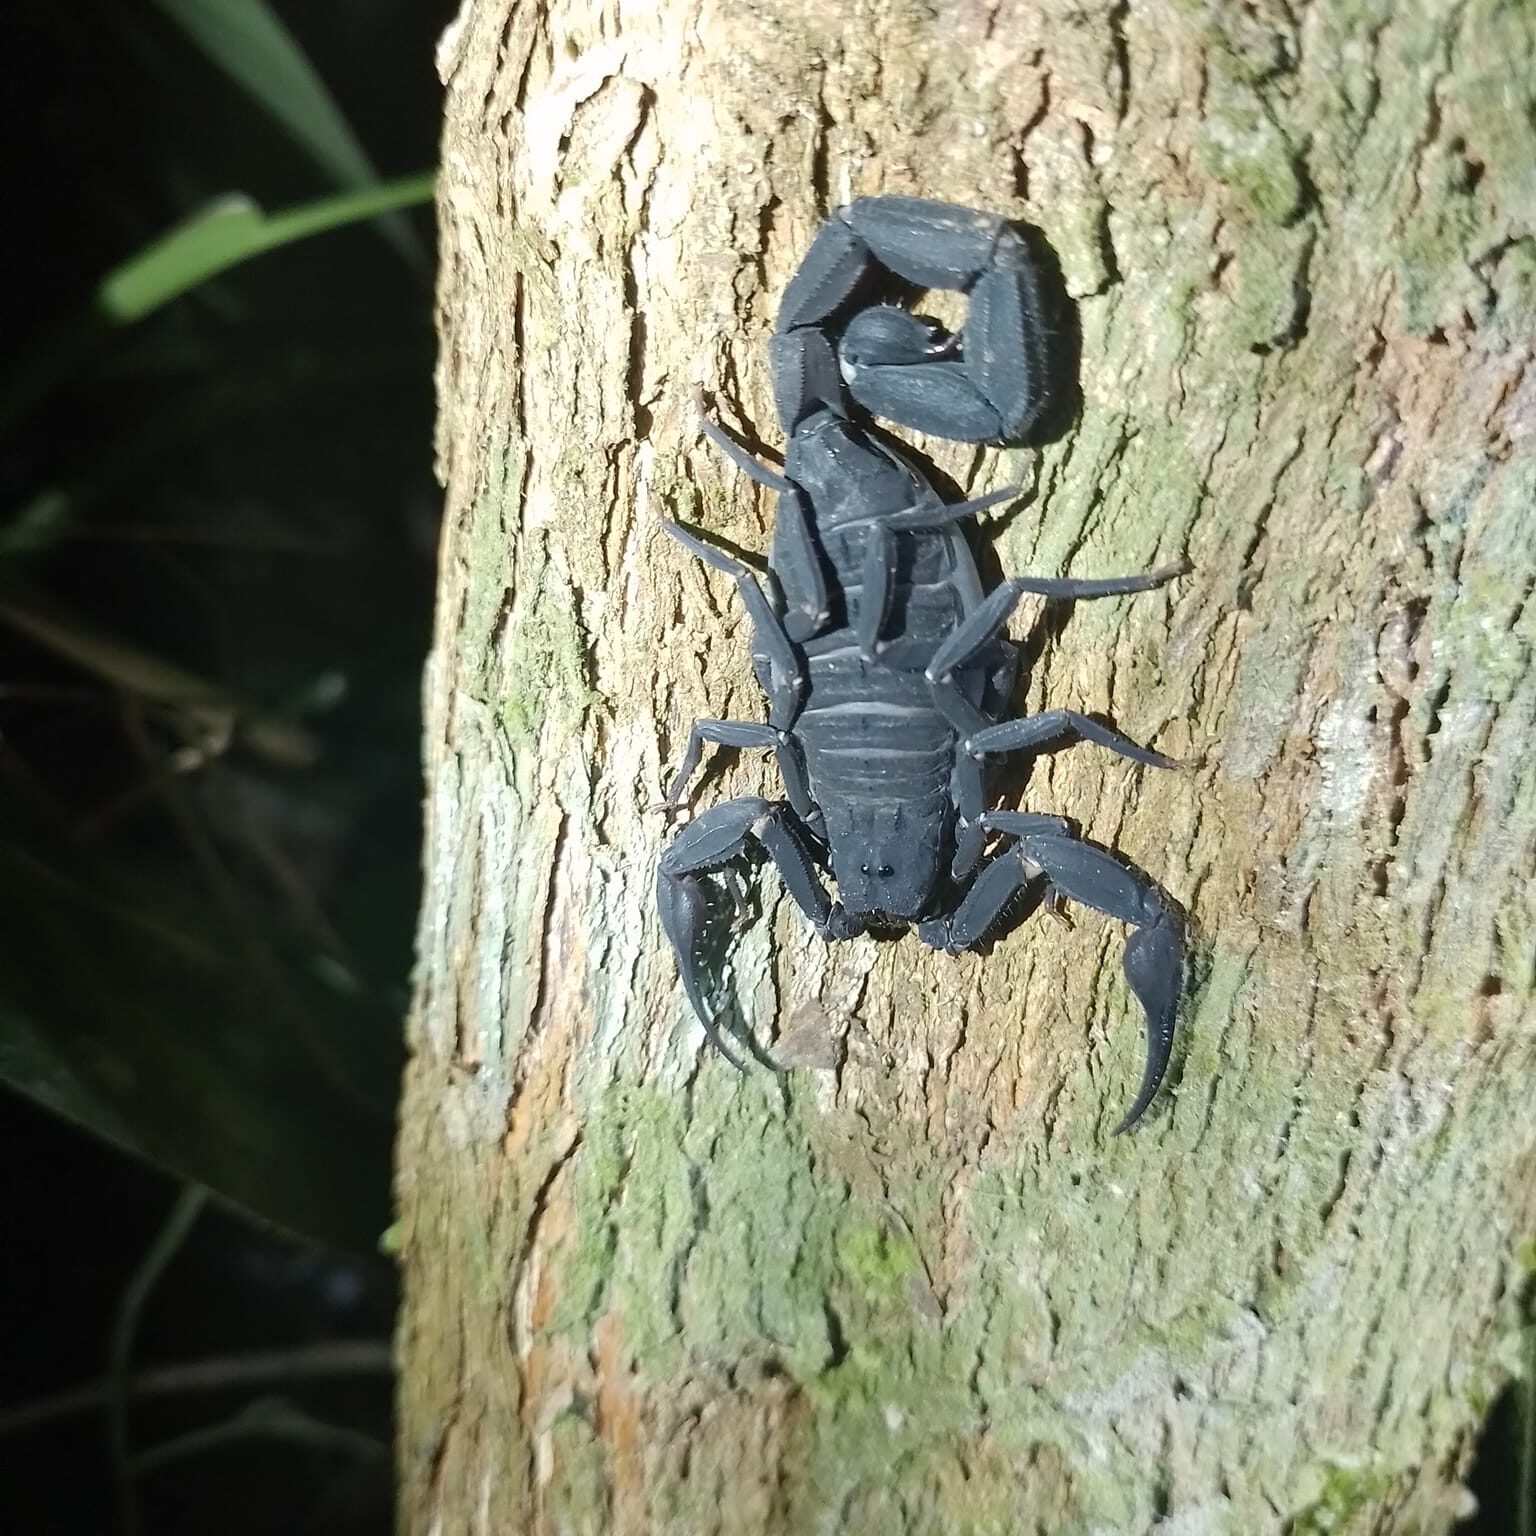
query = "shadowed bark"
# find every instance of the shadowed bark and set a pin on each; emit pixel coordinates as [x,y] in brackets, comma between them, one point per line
[913,1286]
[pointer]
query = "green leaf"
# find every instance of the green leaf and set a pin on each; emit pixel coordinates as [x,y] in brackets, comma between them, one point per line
[31,1064]
[38,524]
[228,231]
[249,42]
[232,230]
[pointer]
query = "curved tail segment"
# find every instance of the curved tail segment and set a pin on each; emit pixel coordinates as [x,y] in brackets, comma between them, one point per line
[985,383]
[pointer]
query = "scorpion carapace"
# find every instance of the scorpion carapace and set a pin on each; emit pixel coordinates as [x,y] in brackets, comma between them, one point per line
[885,663]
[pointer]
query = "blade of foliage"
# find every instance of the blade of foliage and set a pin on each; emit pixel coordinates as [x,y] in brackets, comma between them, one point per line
[204,709]
[136,1003]
[228,231]
[232,230]
[30,1064]
[248,41]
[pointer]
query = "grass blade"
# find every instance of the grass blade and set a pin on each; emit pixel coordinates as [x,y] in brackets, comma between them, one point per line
[232,230]
[202,708]
[249,42]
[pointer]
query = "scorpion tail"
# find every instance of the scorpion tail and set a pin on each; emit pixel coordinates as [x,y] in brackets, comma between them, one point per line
[992,379]
[1154,967]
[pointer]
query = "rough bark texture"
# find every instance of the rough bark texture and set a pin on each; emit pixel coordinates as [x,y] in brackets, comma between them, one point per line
[912,1285]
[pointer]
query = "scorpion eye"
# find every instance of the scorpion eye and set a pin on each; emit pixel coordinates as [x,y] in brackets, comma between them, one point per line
[864,870]
[885,871]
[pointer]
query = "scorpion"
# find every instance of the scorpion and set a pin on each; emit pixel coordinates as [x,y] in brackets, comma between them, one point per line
[885,664]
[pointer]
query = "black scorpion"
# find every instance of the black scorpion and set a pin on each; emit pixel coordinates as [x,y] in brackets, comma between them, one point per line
[884,661]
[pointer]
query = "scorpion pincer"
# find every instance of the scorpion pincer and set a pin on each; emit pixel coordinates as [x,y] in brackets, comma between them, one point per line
[885,664]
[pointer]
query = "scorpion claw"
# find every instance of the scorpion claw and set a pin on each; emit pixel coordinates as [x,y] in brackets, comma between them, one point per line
[683,903]
[1153,963]
[1154,967]
[708,845]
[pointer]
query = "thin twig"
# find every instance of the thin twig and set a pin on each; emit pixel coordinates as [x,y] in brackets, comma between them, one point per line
[264,1420]
[172,1234]
[218,1373]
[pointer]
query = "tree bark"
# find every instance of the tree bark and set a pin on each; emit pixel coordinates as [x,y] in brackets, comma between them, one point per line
[913,1285]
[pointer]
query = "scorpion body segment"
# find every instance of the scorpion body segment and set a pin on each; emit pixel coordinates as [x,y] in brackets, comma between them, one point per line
[884,660]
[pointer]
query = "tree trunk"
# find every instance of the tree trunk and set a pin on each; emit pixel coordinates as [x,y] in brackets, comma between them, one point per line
[912,1285]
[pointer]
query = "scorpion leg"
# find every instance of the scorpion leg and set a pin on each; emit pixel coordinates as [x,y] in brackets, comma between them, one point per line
[879,568]
[744,733]
[709,843]
[796,560]
[1026,824]
[797,564]
[784,682]
[967,785]
[1000,662]
[977,628]
[980,736]
[963,575]
[877,578]
[752,468]
[1033,732]
[940,514]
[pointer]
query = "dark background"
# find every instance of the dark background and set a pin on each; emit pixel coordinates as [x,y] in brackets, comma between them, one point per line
[206,912]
